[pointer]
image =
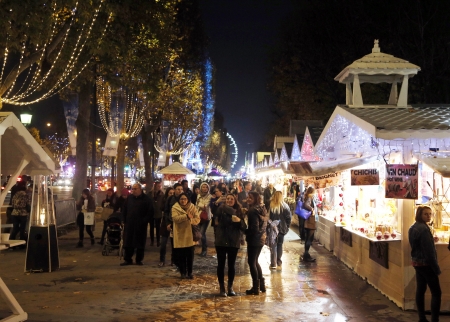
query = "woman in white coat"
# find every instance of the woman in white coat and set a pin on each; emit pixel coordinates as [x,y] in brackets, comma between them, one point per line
[184,215]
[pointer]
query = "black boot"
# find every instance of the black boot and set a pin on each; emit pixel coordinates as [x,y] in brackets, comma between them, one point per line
[92,241]
[254,290]
[79,244]
[262,286]
[230,290]
[222,290]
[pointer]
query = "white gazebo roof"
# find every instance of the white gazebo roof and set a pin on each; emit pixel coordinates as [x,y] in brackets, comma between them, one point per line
[377,63]
[176,168]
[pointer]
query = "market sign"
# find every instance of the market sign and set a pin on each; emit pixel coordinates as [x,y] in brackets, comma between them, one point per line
[365,177]
[402,181]
[326,180]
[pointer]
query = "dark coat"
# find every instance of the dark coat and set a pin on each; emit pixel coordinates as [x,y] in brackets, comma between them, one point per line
[241,197]
[267,195]
[283,214]
[136,212]
[257,225]
[227,232]
[308,204]
[157,203]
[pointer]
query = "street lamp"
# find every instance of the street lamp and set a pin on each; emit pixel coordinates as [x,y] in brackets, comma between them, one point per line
[25,118]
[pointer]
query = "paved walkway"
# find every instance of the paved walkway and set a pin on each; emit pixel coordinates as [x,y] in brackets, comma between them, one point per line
[92,287]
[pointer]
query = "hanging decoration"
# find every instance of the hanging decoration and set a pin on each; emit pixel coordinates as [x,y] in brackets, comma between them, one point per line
[71,113]
[36,79]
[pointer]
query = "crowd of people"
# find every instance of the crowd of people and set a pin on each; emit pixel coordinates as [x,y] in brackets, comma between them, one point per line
[238,213]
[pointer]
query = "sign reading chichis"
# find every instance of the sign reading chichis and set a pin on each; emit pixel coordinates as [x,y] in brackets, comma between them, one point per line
[365,177]
[402,181]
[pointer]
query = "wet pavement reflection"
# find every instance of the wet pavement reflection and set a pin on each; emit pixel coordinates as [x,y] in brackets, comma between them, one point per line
[92,287]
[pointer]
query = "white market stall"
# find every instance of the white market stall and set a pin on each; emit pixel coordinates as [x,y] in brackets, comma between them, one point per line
[175,172]
[20,154]
[368,220]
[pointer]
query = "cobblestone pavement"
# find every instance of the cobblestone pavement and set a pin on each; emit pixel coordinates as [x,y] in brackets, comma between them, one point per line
[92,287]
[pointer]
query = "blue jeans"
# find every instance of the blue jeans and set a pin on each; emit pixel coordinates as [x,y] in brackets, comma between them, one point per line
[276,251]
[426,276]
[203,227]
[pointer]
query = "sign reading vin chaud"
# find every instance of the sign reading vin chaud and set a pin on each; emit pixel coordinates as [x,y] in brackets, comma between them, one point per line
[402,181]
[365,177]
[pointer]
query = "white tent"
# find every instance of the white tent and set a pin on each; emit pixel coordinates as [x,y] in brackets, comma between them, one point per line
[19,154]
[176,168]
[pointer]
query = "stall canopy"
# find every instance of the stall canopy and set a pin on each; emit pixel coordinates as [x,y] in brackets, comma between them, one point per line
[19,154]
[176,168]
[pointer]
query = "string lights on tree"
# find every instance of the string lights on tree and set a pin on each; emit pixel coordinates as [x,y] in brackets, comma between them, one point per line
[51,81]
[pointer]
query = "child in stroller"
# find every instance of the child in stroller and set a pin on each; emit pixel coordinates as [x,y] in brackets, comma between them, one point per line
[113,234]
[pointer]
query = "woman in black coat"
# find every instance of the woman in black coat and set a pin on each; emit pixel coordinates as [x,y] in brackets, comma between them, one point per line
[229,223]
[256,238]
[85,204]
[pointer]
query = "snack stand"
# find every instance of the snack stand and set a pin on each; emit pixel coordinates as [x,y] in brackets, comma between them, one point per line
[20,154]
[174,173]
[403,155]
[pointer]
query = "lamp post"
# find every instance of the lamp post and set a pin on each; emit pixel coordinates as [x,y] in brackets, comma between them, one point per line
[25,118]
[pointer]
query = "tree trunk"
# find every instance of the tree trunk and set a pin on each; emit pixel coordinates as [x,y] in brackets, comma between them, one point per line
[82,124]
[146,137]
[120,161]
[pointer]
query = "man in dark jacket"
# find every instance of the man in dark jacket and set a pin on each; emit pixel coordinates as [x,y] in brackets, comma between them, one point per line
[157,197]
[242,196]
[268,193]
[136,212]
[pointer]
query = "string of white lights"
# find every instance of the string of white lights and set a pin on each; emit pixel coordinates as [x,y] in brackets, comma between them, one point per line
[69,69]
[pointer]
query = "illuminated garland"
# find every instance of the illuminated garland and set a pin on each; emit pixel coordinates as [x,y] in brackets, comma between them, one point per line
[125,122]
[65,79]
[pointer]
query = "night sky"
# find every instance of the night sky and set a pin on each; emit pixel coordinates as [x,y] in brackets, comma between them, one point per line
[241,33]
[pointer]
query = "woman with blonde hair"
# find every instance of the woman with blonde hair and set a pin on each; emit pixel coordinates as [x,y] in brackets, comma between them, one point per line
[310,223]
[279,210]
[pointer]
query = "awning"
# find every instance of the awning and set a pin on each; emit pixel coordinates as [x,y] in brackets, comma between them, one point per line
[319,168]
[176,168]
[439,162]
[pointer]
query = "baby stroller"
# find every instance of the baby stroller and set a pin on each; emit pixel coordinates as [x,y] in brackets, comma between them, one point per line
[114,232]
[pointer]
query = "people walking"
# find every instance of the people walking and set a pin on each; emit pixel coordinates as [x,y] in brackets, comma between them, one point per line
[136,213]
[21,209]
[108,205]
[229,223]
[157,197]
[242,196]
[424,260]
[85,204]
[166,230]
[310,223]
[255,236]
[184,215]
[279,210]
[204,209]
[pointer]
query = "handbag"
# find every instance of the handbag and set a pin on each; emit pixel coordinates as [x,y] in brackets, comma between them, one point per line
[204,215]
[302,212]
[196,234]
[106,212]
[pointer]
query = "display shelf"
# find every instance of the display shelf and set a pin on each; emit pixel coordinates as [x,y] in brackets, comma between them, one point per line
[373,239]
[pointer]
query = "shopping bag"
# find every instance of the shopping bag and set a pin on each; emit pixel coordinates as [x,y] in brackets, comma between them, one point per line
[89,218]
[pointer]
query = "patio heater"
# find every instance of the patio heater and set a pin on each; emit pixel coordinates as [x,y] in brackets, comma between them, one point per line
[42,248]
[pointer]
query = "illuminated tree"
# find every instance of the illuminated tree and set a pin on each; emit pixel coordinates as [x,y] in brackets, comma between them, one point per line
[180,104]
